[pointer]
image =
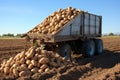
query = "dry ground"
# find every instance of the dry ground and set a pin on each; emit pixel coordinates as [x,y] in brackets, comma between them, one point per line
[102,67]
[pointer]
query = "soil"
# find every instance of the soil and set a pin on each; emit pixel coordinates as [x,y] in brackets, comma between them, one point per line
[100,67]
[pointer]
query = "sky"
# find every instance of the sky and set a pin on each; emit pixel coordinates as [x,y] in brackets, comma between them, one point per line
[20,16]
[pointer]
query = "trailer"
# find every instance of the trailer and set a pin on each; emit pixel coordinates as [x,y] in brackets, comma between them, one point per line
[80,35]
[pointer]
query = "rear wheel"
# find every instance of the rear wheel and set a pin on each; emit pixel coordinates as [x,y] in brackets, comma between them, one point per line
[65,51]
[88,49]
[98,46]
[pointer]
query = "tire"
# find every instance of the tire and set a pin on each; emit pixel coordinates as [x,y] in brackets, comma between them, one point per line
[88,49]
[65,51]
[98,46]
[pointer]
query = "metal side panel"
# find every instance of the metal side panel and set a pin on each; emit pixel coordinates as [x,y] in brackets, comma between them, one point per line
[70,31]
[86,24]
[97,25]
[91,25]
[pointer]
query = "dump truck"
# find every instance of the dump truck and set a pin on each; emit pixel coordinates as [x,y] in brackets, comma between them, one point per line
[80,34]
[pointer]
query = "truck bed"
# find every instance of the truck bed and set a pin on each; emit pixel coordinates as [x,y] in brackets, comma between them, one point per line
[83,25]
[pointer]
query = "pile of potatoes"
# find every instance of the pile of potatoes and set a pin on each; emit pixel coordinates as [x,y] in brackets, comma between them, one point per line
[32,61]
[55,21]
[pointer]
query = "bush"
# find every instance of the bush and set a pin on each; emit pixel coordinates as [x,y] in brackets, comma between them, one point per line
[8,35]
[111,34]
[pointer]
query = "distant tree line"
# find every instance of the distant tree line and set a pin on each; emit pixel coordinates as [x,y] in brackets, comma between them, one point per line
[10,35]
[112,34]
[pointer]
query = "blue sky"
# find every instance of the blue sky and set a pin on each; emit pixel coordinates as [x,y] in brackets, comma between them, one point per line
[19,16]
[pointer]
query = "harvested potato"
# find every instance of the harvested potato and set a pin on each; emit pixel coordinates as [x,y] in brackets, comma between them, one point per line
[40,70]
[31,53]
[34,62]
[17,63]
[43,60]
[44,66]
[22,67]
[47,69]
[22,60]
[15,72]
[25,73]
[30,66]
[28,62]
[6,70]
[22,54]
[34,70]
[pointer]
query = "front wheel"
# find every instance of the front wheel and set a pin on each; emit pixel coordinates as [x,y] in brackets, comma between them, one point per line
[65,51]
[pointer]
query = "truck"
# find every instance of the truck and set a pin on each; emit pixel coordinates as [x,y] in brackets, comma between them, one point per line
[81,35]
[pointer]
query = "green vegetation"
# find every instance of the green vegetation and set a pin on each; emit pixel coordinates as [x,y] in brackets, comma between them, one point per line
[9,35]
[111,34]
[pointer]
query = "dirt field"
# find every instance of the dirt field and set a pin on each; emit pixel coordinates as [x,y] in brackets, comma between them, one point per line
[102,67]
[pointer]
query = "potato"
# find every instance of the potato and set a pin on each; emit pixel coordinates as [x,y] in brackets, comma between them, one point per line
[43,52]
[17,59]
[40,56]
[36,54]
[57,55]
[22,54]
[7,64]
[20,68]
[22,61]
[6,70]
[44,66]
[25,73]
[34,70]
[15,72]
[28,62]
[12,62]
[11,70]
[30,66]
[34,63]
[47,69]
[53,32]
[38,50]
[31,53]
[40,70]
[28,50]
[17,56]
[4,62]
[36,76]
[43,60]
[16,64]
[24,65]
[45,31]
